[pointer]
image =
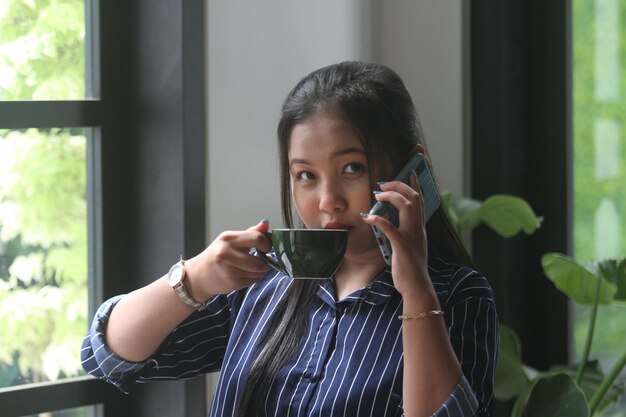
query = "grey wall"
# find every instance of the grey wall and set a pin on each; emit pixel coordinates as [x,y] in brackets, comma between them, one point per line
[423,41]
[259,50]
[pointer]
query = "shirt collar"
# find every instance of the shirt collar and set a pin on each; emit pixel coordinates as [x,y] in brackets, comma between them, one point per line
[377,292]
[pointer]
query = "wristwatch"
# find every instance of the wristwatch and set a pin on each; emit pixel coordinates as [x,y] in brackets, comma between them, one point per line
[176,279]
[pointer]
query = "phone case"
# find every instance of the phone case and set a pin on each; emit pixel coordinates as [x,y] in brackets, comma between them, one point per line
[430,195]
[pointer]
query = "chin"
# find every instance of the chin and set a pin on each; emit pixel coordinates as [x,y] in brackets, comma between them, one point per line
[361,243]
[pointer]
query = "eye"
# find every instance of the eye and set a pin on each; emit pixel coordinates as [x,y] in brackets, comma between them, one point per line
[354,167]
[304,176]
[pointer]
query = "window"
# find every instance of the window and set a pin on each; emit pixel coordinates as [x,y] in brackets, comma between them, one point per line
[139,108]
[43,253]
[49,120]
[599,135]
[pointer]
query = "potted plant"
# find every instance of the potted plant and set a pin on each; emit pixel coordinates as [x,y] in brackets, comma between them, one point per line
[579,390]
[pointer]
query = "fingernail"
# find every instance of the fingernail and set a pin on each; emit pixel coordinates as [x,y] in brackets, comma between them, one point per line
[364,215]
[265,220]
[376,192]
[381,182]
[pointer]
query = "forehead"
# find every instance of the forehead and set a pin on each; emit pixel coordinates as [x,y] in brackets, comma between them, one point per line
[324,132]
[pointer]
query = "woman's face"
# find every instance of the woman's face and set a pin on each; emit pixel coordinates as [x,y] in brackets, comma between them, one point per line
[330,181]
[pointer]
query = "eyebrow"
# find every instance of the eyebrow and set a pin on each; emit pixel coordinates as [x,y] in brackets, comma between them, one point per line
[334,155]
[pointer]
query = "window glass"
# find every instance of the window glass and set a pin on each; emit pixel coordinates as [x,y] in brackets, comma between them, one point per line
[43,254]
[599,106]
[42,49]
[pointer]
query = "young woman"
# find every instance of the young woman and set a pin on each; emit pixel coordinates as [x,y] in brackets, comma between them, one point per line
[418,338]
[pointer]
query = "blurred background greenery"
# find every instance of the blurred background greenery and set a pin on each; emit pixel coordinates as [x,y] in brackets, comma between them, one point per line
[43,209]
[599,158]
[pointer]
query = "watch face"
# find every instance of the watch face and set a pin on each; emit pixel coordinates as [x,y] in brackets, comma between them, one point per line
[176,275]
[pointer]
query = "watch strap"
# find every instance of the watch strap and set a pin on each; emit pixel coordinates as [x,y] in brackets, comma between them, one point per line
[183,293]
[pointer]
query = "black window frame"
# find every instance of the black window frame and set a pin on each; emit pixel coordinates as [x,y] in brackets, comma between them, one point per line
[522,145]
[146,177]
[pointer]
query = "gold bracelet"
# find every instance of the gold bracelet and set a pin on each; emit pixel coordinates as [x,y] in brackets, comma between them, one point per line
[420,315]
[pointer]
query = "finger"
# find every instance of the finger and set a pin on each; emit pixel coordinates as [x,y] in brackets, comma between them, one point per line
[248,265]
[399,187]
[263,242]
[247,240]
[408,209]
[262,226]
[225,251]
[240,278]
[239,274]
[412,192]
[259,241]
[418,193]
[414,183]
[384,225]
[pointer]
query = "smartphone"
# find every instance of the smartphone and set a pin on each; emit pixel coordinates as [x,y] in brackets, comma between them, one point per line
[430,195]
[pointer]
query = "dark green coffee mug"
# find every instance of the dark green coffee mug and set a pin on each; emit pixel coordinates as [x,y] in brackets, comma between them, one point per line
[307,253]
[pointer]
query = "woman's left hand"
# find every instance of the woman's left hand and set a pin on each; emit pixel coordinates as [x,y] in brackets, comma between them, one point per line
[409,261]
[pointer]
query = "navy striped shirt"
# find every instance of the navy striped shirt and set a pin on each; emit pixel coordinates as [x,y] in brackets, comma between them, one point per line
[349,362]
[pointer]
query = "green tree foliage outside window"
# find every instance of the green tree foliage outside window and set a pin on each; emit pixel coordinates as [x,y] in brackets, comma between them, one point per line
[42,50]
[43,219]
[599,106]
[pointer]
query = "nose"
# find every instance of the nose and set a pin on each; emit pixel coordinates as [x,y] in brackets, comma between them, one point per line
[332,198]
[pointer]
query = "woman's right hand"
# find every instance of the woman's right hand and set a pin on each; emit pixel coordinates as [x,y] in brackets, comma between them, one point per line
[226,264]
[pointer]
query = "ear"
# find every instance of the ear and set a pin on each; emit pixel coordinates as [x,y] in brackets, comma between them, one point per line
[419,148]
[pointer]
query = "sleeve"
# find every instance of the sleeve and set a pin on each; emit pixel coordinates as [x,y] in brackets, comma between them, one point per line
[194,347]
[461,403]
[472,324]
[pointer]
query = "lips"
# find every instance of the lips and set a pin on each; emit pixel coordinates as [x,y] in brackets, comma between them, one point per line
[337,225]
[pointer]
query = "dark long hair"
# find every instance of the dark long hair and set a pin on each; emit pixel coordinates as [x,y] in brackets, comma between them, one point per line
[375,101]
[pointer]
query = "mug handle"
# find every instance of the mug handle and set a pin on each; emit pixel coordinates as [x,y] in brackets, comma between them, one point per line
[267,260]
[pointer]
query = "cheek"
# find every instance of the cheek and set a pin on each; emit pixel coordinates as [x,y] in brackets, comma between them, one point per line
[304,204]
[364,197]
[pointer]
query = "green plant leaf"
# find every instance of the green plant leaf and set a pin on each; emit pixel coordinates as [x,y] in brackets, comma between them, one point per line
[520,402]
[576,281]
[466,209]
[591,381]
[613,271]
[461,211]
[505,214]
[508,215]
[445,196]
[511,380]
[556,396]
